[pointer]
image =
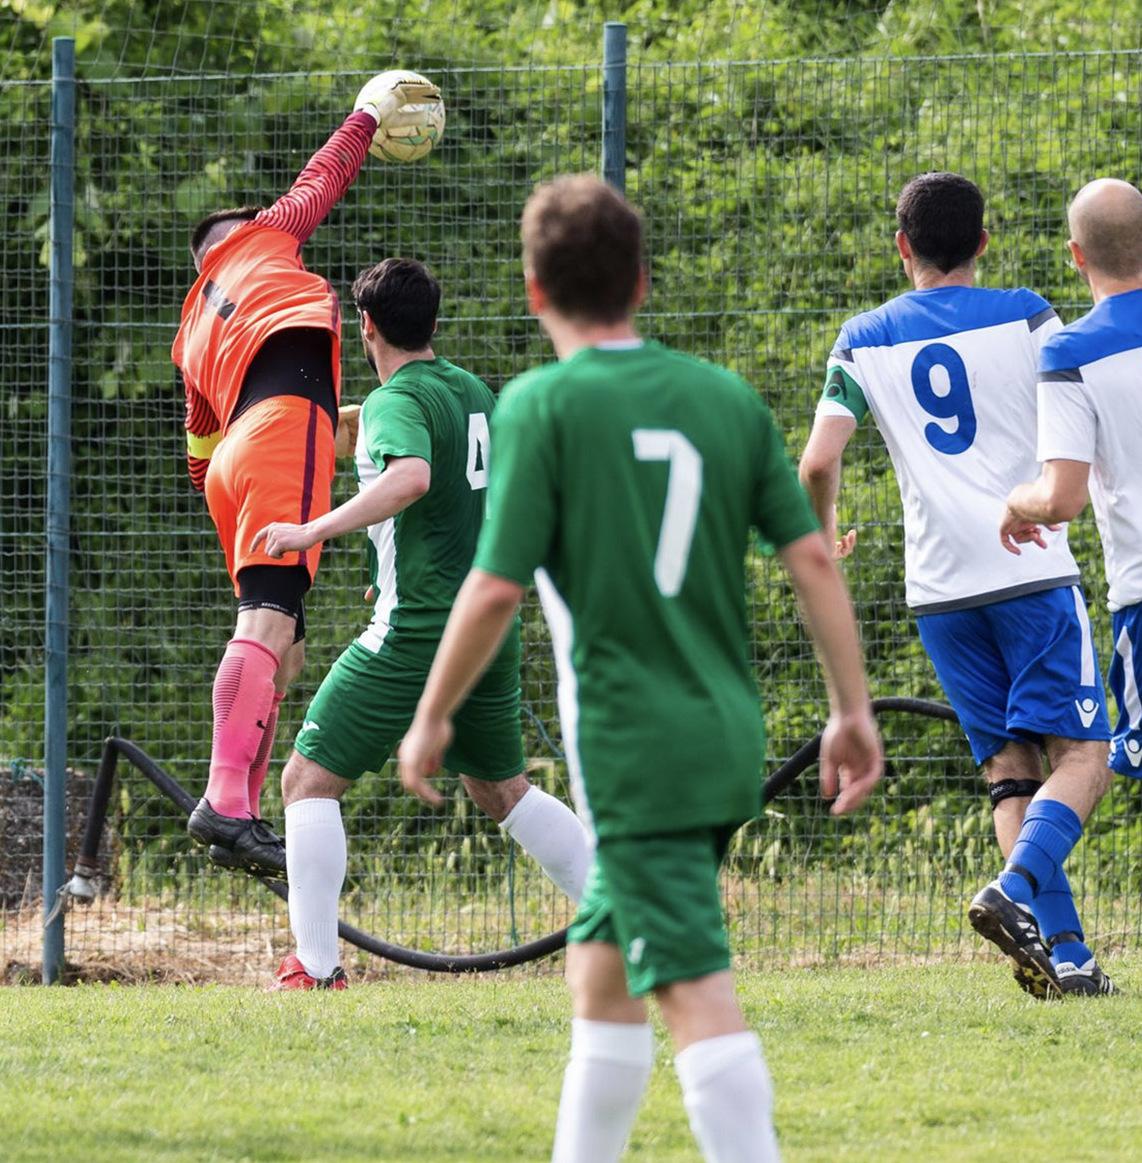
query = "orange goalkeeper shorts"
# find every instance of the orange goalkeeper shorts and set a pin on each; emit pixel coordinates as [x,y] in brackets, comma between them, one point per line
[275,463]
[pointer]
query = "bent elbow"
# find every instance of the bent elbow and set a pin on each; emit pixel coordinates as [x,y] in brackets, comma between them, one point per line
[419,481]
[813,472]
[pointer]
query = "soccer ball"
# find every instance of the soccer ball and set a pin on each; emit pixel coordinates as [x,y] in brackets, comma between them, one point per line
[411,115]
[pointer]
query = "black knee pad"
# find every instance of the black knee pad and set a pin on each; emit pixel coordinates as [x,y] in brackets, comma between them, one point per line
[1007,789]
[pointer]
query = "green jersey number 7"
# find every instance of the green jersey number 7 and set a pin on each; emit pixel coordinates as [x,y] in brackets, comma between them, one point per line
[683,495]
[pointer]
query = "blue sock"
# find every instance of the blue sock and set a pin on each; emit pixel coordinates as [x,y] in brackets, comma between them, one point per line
[1055,912]
[1050,830]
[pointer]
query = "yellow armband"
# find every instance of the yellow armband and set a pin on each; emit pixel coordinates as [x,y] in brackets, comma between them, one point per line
[202,447]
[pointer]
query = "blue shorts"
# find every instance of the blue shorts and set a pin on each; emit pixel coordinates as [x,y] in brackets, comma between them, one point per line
[1019,669]
[1125,679]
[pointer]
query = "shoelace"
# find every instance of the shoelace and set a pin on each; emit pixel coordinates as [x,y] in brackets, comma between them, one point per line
[264,834]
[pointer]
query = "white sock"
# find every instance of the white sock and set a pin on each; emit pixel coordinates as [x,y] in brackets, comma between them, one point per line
[729,1099]
[602,1088]
[550,832]
[315,863]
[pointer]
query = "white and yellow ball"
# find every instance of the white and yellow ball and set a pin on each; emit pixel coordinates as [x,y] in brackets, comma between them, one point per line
[410,115]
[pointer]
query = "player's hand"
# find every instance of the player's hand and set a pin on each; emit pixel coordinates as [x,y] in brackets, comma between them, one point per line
[843,546]
[281,537]
[1015,530]
[852,760]
[420,755]
[387,92]
[348,422]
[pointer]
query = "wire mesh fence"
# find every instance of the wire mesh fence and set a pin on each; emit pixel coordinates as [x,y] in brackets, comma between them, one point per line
[768,189]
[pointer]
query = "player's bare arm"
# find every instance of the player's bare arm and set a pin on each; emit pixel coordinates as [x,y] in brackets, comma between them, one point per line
[1060,494]
[820,475]
[481,617]
[852,756]
[405,480]
[348,424]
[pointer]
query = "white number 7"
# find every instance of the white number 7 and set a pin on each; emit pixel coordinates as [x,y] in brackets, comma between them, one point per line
[683,493]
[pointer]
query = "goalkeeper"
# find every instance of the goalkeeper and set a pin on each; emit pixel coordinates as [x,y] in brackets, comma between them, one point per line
[258,347]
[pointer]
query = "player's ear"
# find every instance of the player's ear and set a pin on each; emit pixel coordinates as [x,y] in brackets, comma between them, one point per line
[984,239]
[1077,256]
[536,298]
[368,328]
[903,247]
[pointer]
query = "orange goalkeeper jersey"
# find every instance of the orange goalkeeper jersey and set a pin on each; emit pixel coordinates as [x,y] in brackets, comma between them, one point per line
[253,284]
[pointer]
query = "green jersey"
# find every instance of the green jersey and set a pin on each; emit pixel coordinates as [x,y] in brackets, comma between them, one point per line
[628,478]
[438,412]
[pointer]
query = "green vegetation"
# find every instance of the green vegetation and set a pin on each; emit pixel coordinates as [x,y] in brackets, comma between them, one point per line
[768,186]
[944,1064]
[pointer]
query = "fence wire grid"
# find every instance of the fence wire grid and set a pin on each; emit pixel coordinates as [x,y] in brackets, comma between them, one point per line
[768,189]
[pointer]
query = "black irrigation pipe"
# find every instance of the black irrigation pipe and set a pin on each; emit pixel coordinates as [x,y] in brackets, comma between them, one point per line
[87,864]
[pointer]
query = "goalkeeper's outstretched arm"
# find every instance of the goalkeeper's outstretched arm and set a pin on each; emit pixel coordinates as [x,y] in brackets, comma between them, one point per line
[325,178]
[330,172]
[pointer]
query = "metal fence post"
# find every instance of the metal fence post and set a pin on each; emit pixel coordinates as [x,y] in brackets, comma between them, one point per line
[58,517]
[615,104]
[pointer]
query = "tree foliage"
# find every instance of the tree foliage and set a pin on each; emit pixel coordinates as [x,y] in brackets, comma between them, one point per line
[767,185]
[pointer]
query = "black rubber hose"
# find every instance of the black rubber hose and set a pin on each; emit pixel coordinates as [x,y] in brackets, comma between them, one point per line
[808,753]
[786,774]
[440,962]
[87,863]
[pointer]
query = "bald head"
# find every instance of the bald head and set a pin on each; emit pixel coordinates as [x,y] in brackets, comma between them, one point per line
[1105,220]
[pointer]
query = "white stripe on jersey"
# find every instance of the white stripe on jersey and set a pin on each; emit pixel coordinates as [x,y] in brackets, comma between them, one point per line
[383,537]
[562,628]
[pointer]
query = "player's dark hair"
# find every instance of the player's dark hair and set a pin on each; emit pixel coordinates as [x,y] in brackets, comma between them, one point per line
[402,299]
[942,215]
[200,234]
[582,241]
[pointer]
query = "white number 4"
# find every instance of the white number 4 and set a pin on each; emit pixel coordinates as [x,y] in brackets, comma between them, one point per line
[478,450]
[683,493]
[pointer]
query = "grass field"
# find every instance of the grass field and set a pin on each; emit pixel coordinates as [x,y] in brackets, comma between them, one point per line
[938,1063]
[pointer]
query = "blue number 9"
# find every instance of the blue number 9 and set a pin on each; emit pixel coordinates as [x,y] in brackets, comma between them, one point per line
[956,405]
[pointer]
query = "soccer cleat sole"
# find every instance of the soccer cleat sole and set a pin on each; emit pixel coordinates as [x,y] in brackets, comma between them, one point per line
[225,858]
[1032,975]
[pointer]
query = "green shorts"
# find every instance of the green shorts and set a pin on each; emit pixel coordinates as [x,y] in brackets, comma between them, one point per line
[657,899]
[366,702]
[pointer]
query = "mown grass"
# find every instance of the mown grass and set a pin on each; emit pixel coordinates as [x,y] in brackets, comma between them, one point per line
[937,1063]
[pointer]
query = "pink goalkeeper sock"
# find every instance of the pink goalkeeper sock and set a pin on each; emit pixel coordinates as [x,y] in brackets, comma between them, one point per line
[243,697]
[261,762]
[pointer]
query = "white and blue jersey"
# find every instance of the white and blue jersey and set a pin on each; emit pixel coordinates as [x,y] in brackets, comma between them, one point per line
[1090,410]
[949,376]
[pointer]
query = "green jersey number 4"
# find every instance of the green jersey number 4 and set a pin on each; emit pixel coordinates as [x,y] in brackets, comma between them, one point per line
[683,494]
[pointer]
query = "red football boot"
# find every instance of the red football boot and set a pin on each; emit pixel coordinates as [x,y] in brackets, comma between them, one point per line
[291,974]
